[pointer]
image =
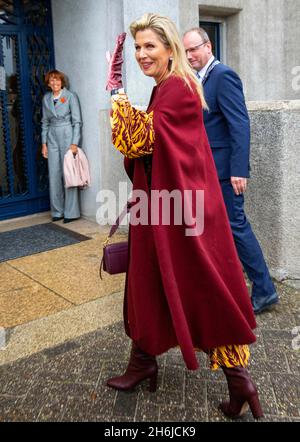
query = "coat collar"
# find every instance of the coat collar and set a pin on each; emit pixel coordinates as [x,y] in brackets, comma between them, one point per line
[51,104]
[62,98]
[210,68]
[59,103]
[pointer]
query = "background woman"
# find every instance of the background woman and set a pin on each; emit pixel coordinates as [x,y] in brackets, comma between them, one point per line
[180,290]
[61,130]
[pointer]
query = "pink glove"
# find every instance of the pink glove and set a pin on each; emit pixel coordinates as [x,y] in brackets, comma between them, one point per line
[115,61]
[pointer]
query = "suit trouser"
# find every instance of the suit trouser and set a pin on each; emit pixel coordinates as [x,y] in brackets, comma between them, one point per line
[248,248]
[64,202]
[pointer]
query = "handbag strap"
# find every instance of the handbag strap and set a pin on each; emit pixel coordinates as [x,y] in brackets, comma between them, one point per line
[118,221]
[120,218]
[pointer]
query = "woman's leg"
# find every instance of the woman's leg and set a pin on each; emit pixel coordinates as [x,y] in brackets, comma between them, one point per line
[233,359]
[56,186]
[141,366]
[229,356]
[71,195]
[72,210]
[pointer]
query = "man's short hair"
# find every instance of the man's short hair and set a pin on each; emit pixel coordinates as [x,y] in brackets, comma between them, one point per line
[203,34]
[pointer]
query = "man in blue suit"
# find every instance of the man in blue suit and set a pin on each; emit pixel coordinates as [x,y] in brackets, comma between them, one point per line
[228,130]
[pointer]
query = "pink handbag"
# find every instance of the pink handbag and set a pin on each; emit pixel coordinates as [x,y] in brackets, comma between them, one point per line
[115,256]
[76,170]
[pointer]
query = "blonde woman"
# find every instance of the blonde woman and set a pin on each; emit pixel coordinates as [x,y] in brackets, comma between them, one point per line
[186,291]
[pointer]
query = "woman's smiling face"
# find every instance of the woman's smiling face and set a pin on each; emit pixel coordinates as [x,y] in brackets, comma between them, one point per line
[55,83]
[152,55]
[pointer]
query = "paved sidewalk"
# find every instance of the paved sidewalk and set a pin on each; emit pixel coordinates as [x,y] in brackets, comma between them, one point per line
[65,380]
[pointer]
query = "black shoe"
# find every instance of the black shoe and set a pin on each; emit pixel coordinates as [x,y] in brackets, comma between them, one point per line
[57,218]
[69,220]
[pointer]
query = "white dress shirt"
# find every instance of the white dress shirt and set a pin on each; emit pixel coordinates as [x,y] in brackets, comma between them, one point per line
[201,74]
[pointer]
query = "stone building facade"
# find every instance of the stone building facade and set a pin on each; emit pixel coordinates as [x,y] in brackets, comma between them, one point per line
[257,38]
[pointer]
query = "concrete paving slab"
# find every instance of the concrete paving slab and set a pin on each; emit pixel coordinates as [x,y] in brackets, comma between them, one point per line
[72,271]
[25,221]
[12,279]
[55,329]
[28,303]
[55,367]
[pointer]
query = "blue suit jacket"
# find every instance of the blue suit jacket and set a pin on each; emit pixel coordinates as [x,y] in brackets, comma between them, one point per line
[227,122]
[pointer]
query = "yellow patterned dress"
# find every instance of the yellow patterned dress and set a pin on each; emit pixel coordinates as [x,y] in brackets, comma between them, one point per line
[134,136]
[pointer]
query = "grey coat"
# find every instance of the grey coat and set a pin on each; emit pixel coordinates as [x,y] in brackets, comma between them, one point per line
[66,112]
[61,127]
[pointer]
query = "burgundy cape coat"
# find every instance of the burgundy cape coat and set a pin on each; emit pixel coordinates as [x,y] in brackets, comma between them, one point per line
[184,290]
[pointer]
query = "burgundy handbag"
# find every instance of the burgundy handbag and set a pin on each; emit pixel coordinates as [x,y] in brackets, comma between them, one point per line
[115,256]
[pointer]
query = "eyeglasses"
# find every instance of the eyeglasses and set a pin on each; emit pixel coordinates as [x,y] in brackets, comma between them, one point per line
[195,48]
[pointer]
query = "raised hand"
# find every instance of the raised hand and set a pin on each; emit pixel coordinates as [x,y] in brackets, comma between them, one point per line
[115,61]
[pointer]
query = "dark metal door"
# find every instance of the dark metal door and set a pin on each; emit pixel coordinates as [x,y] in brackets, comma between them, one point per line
[26,54]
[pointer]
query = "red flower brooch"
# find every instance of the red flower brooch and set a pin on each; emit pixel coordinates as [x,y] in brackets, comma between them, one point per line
[63,100]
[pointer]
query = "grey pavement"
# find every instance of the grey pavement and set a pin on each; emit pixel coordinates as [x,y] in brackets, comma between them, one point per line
[67,382]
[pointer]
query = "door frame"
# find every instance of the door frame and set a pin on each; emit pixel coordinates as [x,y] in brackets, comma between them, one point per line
[33,200]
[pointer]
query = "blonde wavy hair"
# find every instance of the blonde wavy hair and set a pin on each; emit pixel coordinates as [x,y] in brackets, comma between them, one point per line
[169,36]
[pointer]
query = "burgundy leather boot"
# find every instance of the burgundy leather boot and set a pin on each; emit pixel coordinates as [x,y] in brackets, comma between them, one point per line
[141,366]
[242,394]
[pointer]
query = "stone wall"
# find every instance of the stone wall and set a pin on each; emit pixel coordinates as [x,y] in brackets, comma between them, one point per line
[273,196]
[261,42]
[83,32]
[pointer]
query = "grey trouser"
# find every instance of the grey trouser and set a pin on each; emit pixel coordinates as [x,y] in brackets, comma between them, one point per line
[64,202]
